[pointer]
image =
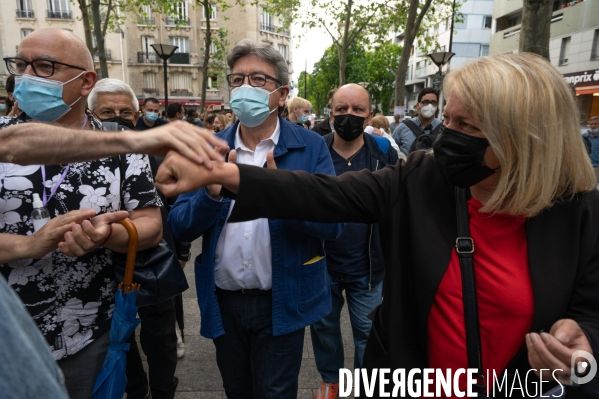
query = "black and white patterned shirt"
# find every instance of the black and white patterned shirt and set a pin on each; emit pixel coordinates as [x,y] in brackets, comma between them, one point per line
[70,299]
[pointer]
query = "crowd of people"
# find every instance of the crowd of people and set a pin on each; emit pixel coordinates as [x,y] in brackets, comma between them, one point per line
[295,221]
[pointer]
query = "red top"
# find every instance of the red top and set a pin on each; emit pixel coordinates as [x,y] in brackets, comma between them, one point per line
[504,294]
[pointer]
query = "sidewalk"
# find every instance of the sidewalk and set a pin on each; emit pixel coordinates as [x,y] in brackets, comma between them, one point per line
[197,371]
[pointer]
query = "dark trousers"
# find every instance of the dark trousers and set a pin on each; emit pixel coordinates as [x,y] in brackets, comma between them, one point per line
[159,342]
[253,363]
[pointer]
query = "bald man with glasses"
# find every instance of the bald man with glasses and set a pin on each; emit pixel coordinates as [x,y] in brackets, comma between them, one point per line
[54,75]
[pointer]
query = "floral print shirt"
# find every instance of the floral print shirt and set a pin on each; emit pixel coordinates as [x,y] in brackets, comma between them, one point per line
[70,299]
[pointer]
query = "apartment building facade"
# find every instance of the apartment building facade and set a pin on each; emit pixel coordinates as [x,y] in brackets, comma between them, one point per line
[573,47]
[187,30]
[130,55]
[470,41]
[30,15]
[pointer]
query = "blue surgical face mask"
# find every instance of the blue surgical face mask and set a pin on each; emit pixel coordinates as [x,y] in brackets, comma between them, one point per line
[41,98]
[151,116]
[303,118]
[196,120]
[250,104]
[594,131]
[2,107]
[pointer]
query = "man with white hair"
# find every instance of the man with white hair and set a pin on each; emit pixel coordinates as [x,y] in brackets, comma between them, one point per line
[69,293]
[114,102]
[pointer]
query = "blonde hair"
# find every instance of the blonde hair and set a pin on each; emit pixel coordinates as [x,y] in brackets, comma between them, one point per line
[223,120]
[380,122]
[298,102]
[527,112]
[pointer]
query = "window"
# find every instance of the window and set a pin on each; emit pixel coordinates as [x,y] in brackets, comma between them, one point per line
[565,49]
[515,20]
[595,49]
[58,5]
[150,85]
[180,15]
[25,32]
[421,68]
[212,12]
[409,73]
[213,82]
[146,44]
[467,50]
[267,22]
[484,50]
[283,51]
[24,9]
[180,81]
[181,42]
[213,48]
[461,24]
[487,20]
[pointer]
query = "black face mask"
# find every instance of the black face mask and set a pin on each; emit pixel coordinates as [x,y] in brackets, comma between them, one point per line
[123,122]
[349,127]
[459,157]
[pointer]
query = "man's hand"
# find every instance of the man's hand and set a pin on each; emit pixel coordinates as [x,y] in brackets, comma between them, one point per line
[194,143]
[177,175]
[213,190]
[554,350]
[47,238]
[90,234]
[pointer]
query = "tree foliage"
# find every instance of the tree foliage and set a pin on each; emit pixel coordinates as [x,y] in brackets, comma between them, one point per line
[346,21]
[381,66]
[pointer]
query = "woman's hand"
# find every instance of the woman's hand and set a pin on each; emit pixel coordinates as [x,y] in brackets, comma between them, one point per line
[554,350]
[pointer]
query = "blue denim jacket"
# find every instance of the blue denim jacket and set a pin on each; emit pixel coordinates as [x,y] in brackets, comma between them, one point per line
[301,293]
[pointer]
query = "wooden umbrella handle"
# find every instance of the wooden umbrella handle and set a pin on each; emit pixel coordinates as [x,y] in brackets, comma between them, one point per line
[127,284]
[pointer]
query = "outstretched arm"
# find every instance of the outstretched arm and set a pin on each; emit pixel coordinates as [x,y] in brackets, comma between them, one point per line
[34,143]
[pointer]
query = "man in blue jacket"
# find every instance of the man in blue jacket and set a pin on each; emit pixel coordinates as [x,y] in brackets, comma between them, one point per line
[259,283]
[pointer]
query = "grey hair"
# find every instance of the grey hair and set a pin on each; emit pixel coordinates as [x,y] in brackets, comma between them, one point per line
[111,86]
[263,51]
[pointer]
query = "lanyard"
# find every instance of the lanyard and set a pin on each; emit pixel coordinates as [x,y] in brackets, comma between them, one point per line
[55,186]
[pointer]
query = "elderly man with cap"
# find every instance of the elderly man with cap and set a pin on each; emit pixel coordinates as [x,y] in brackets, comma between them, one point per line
[70,293]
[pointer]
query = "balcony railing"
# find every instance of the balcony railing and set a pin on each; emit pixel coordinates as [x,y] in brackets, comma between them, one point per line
[177,21]
[285,32]
[59,14]
[150,91]
[181,92]
[179,58]
[146,21]
[269,28]
[107,52]
[25,14]
[147,58]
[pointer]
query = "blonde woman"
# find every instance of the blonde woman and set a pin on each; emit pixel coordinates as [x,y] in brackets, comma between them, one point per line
[532,215]
[220,122]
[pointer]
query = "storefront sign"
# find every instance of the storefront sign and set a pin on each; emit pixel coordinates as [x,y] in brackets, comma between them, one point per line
[579,79]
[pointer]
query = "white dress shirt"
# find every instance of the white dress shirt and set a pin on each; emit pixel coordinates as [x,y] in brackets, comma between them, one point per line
[243,253]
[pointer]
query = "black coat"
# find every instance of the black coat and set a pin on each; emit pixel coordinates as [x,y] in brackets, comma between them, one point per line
[323,128]
[415,207]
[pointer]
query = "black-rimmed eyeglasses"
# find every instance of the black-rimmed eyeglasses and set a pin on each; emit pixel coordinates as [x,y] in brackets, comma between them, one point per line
[426,102]
[42,68]
[256,79]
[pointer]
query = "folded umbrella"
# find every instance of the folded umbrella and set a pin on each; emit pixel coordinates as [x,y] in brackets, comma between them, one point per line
[112,380]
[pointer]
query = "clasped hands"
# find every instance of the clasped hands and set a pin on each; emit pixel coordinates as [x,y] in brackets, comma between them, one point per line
[75,233]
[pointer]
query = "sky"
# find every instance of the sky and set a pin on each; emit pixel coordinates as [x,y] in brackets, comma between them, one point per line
[309,48]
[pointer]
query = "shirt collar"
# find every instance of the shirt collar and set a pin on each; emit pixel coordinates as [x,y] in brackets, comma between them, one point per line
[274,137]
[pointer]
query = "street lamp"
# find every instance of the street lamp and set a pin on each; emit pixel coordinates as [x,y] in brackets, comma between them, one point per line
[439,59]
[165,51]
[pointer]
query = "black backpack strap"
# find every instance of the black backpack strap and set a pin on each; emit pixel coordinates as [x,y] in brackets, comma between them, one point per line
[414,128]
[465,249]
[437,130]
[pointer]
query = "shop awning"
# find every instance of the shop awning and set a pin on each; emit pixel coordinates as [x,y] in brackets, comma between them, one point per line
[587,90]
